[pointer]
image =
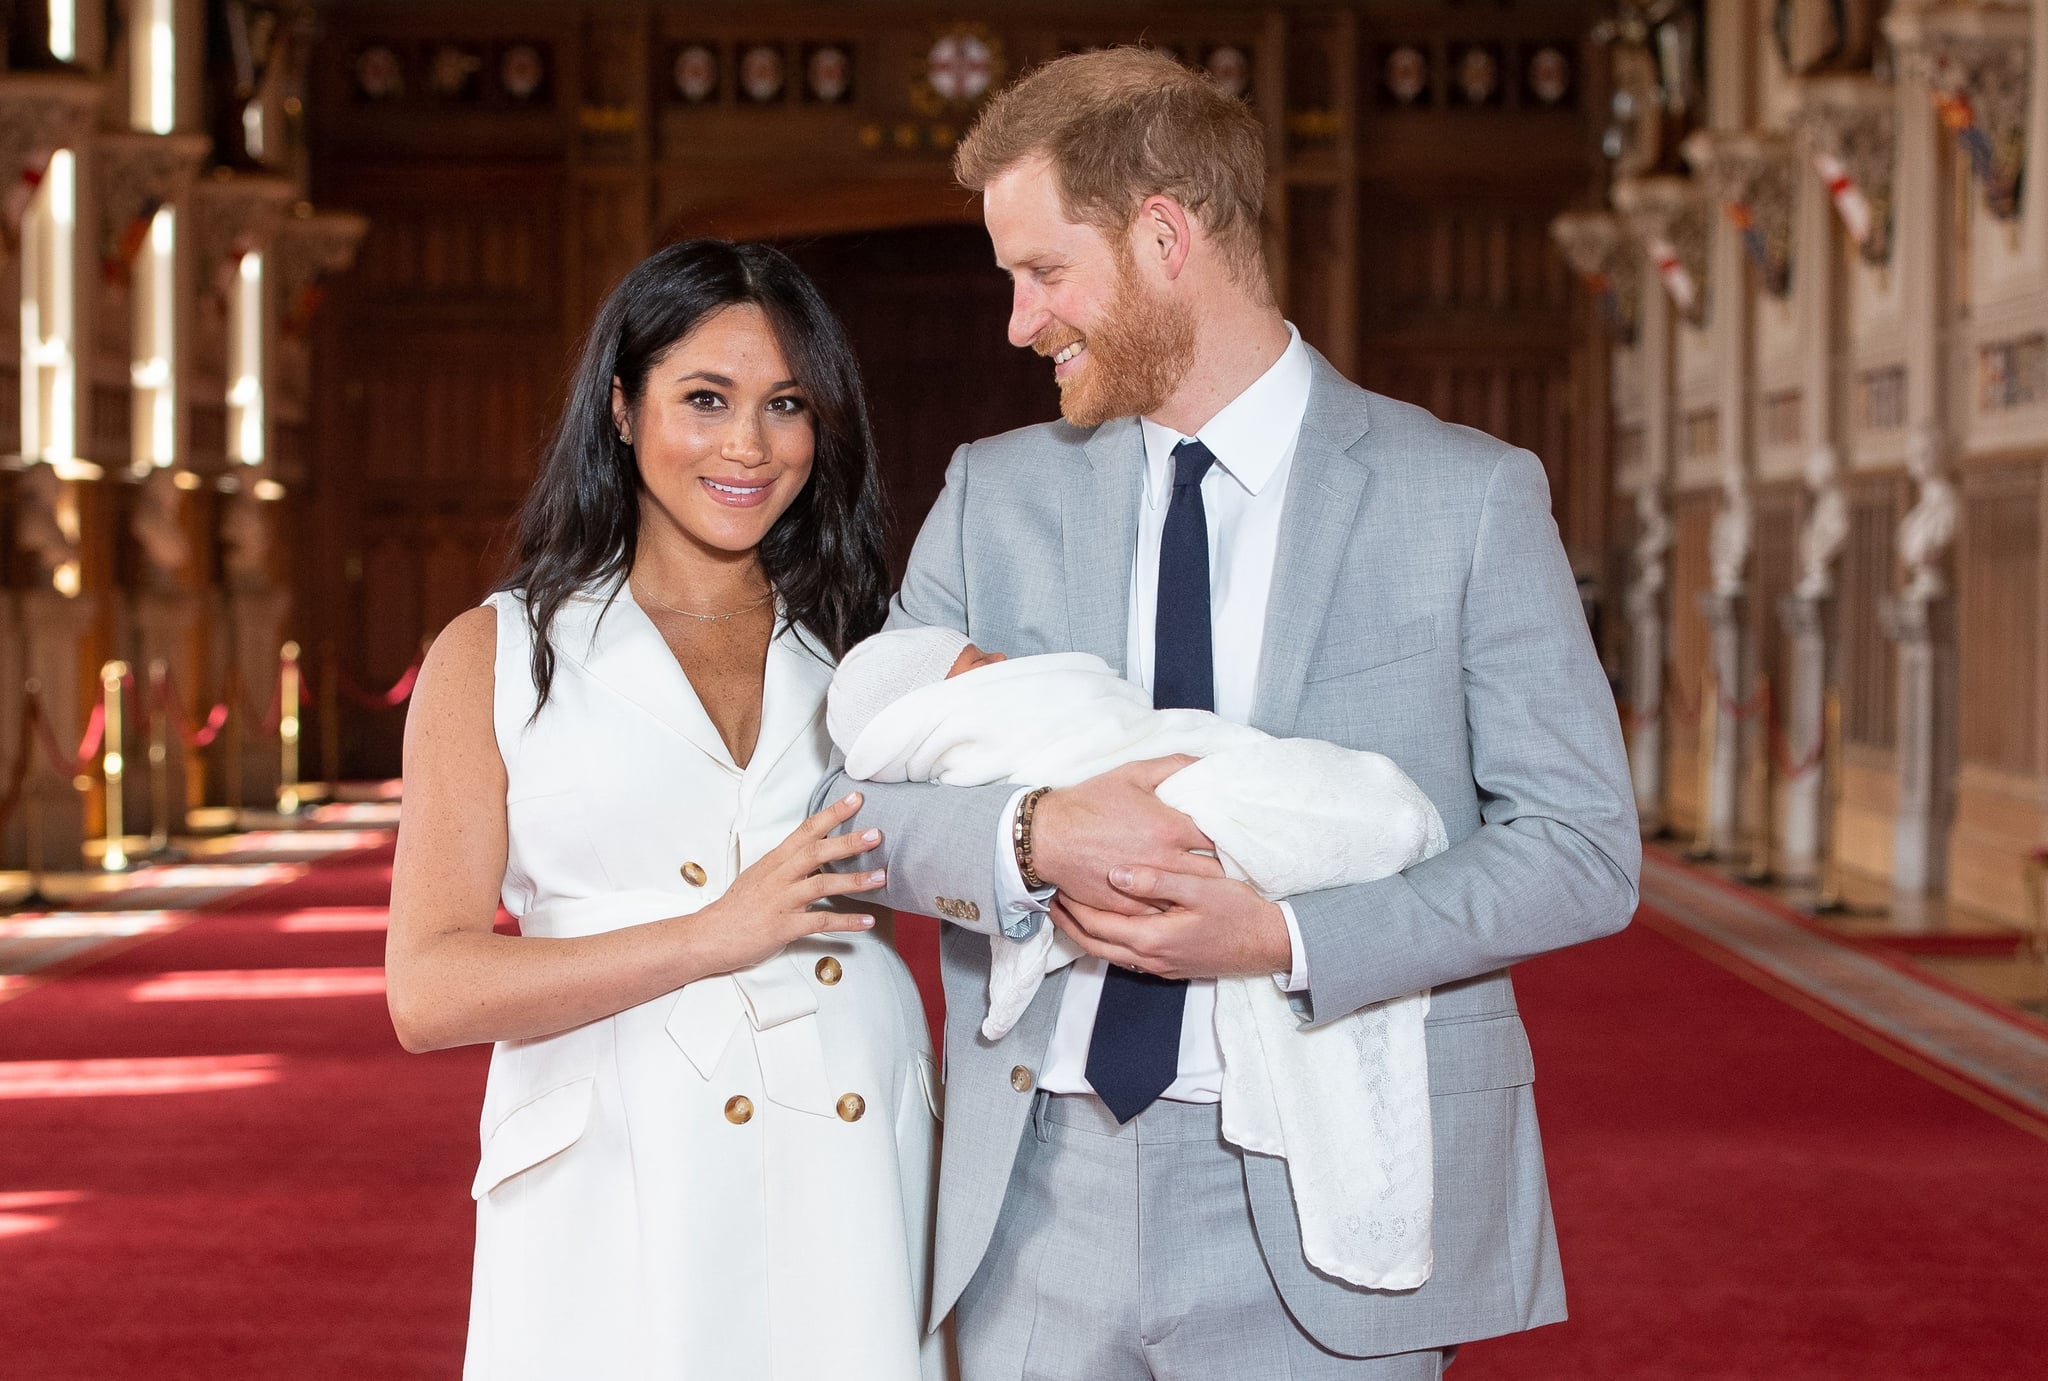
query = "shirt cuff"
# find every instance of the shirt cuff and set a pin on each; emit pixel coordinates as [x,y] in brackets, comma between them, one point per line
[1296,979]
[1021,910]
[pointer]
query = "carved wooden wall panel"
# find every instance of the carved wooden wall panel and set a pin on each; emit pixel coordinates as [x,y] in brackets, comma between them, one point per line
[2000,612]
[1773,569]
[1869,575]
[1686,672]
[927,318]
[1413,235]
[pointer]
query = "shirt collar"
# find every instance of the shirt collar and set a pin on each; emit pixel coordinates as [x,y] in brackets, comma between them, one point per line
[1250,436]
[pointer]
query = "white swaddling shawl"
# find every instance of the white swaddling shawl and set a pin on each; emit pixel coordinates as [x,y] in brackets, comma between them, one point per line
[1287,816]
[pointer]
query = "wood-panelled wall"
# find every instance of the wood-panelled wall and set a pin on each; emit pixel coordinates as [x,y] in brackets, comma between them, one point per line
[1409,237]
[1686,676]
[1999,634]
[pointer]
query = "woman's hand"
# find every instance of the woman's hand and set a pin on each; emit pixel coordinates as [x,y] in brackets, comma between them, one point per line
[770,904]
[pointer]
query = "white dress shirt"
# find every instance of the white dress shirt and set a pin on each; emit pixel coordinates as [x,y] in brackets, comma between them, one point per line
[1253,439]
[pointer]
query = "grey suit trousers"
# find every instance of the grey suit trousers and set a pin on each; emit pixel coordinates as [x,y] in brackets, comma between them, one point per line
[1127,1253]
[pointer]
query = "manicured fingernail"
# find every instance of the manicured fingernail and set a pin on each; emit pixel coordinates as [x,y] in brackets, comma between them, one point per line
[852,799]
[1120,876]
[878,877]
[863,921]
[871,837]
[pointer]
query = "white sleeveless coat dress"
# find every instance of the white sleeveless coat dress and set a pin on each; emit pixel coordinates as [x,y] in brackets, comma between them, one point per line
[734,1181]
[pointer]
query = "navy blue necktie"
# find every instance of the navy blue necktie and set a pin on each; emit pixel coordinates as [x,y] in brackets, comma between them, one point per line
[1134,1053]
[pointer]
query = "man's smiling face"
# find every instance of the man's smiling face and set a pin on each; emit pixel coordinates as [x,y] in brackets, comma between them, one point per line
[1119,346]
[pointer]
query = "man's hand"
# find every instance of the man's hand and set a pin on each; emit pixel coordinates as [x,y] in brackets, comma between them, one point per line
[1080,832]
[1203,927]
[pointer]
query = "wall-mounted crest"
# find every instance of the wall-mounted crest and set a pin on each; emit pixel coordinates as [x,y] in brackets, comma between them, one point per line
[964,64]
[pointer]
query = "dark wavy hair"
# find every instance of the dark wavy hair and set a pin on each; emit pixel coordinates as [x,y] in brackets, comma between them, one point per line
[580,526]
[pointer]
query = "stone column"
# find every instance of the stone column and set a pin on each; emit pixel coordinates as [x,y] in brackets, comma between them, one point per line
[1940,50]
[1646,602]
[1921,620]
[50,628]
[163,610]
[254,607]
[1802,797]
[11,708]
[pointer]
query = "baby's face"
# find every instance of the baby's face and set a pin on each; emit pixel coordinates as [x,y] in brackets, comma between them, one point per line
[971,657]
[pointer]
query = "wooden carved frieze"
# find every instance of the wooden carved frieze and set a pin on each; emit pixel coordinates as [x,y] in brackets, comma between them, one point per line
[1752,176]
[1597,246]
[40,113]
[1848,129]
[1668,215]
[134,175]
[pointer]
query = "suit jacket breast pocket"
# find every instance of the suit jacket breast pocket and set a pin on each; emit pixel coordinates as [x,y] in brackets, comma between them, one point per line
[1359,650]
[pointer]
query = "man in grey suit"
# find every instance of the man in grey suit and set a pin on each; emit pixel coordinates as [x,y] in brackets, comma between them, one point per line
[1237,527]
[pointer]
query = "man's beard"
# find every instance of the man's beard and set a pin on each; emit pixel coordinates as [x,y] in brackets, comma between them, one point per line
[1137,355]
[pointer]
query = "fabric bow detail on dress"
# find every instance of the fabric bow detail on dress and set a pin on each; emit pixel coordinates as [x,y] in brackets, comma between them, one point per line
[778,1001]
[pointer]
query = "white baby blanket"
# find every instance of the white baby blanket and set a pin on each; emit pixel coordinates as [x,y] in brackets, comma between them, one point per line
[1287,816]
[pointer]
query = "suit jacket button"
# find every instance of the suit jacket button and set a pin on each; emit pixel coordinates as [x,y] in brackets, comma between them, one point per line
[739,1108]
[829,971]
[1020,1079]
[693,874]
[851,1106]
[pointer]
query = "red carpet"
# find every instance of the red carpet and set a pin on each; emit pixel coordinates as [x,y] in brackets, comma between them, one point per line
[1741,1191]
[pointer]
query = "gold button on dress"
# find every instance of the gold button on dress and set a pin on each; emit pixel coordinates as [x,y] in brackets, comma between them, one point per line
[693,874]
[851,1106]
[829,971]
[739,1108]
[1020,1079]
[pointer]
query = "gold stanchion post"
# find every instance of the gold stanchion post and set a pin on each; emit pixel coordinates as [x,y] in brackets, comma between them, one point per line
[160,758]
[288,800]
[233,774]
[330,720]
[113,767]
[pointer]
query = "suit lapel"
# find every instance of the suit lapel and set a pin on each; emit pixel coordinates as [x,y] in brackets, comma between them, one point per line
[1325,490]
[1099,538]
[619,646]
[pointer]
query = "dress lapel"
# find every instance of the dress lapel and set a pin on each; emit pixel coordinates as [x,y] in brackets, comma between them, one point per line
[792,695]
[614,641]
[1099,535]
[1324,492]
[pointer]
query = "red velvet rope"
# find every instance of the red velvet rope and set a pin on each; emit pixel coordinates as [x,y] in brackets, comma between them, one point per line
[88,747]
[398,694]
[170,703]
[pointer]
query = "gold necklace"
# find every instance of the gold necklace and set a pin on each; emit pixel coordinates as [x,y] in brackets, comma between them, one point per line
[711,618]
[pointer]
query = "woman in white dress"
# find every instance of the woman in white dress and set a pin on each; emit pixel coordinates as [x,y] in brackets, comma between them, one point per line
[708,1132]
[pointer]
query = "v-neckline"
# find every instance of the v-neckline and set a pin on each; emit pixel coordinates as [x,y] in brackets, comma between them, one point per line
[730,758]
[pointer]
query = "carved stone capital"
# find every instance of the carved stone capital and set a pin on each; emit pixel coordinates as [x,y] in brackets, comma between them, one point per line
[1597,246]
[40,113]
[1753,175]
[233,214]
[1848,128]
[133,175]
[1977,62]
[1668,215]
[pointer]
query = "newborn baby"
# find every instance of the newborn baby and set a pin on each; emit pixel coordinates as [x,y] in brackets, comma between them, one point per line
[1286,815]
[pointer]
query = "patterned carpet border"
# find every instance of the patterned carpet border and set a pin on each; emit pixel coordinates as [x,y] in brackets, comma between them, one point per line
[1996,1058]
